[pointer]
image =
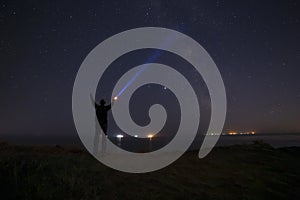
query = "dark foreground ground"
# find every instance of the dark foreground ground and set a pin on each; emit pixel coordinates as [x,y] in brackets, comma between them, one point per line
[255,171]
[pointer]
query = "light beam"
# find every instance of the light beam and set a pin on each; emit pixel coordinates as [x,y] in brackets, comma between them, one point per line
[154,57]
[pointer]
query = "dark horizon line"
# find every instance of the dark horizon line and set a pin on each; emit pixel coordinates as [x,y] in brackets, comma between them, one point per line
[68,134]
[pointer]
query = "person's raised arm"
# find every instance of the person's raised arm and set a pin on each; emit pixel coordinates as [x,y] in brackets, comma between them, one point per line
[93,100]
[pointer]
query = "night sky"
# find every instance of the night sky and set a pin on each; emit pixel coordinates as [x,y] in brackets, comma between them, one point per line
[255,44]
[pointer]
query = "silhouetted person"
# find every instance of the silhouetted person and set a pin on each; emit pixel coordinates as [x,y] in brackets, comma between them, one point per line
[101,113]
[101,123]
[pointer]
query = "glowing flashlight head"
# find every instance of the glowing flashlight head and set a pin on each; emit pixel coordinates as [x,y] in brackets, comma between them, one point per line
[115,98]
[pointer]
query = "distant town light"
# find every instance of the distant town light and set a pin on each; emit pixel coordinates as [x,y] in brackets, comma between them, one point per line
[136,136]
[120,136]
[150,136]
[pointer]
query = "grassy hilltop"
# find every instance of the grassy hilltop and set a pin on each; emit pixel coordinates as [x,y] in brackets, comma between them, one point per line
[255,171]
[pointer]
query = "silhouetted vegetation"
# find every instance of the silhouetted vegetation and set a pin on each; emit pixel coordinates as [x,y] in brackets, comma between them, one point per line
[255,171]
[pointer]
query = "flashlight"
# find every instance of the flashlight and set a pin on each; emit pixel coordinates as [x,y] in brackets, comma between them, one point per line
[115,98]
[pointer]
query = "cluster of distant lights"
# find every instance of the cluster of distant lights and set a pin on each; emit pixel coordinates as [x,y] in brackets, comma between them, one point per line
[120,136]
[241,133]
[234,133]
[150,136]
